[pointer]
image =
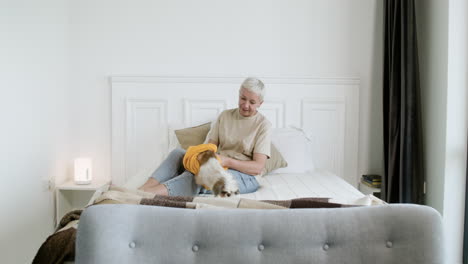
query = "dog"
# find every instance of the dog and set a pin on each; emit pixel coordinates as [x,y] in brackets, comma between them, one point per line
[213,176]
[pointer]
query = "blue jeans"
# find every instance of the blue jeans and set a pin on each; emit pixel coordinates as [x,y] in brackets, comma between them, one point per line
[179,181]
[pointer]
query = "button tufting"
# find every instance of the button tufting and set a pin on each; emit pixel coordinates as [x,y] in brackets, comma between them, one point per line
[326,247]
[389,244]
[261,247]
[195,248]
[132,245]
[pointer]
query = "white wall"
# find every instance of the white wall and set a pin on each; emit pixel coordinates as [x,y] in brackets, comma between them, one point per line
[321,38]
[34,121]
[443,32]
[432,26]
[457,129]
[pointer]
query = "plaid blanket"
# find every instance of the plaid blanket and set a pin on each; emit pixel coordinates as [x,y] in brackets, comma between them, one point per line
[241,203]
[60,246]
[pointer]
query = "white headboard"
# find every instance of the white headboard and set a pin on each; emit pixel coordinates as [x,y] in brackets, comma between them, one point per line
[143,106]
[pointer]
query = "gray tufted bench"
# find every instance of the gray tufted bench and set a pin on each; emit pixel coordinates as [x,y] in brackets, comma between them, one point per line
[394,233]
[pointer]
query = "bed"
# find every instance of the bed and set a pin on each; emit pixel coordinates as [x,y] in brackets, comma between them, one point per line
[315,123]
[315,127]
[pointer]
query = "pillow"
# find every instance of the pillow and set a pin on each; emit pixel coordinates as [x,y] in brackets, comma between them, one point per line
[275,161]
[192,136]
[295,147]
[173,142]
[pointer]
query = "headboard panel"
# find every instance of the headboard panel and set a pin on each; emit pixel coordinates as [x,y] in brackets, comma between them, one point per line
[144,106]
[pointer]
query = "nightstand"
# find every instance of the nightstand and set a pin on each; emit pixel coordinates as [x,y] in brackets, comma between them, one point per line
[71,196]
[369,190]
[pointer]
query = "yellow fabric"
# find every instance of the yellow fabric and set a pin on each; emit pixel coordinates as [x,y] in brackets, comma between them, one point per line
[190,159]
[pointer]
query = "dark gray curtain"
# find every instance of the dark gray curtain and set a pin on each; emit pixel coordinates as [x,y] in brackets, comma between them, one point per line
[404,177]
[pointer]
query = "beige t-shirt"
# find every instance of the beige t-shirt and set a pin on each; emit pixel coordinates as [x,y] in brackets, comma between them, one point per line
[240,137]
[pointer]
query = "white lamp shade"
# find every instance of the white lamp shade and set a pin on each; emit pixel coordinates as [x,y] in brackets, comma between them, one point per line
[83,171]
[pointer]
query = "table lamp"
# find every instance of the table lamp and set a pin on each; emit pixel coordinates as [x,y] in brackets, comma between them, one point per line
[83,171]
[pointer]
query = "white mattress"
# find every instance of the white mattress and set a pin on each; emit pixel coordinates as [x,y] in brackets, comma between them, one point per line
[315,184]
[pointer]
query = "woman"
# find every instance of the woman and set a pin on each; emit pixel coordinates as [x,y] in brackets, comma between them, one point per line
[243,138]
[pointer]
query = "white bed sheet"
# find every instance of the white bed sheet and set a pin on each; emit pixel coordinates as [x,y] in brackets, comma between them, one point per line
[318,183]
[284,186]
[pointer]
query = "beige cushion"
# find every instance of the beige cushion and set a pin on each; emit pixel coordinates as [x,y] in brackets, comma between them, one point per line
[276,160]
[193,136]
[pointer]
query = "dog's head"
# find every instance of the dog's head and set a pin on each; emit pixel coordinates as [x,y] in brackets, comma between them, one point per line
[225,188]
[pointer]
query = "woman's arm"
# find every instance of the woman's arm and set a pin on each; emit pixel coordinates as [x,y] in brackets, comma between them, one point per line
[251,167]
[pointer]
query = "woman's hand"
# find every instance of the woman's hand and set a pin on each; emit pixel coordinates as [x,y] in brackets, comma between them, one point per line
[224,160]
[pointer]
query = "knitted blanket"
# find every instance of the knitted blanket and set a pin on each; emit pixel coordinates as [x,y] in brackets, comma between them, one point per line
[60,246]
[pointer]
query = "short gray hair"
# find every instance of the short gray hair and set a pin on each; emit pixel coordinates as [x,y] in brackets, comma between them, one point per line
[254,85]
